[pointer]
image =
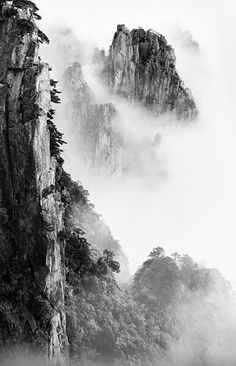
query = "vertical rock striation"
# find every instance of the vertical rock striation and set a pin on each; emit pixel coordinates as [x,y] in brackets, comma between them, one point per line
[94,125]
[141,66]
[31,211]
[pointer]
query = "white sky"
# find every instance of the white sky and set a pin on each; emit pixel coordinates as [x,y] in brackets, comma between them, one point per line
[195,211]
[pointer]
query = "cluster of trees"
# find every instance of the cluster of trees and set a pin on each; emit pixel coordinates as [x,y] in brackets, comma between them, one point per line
[104,323]
[140,324]
[81,213]
[56,137]
[170,300]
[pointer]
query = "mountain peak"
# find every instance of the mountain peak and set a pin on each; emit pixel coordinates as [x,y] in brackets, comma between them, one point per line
[141,67]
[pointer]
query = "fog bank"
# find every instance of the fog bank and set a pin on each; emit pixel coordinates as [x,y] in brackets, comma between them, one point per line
[186,200]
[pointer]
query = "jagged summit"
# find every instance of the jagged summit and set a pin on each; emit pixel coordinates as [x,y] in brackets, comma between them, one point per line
[141,66]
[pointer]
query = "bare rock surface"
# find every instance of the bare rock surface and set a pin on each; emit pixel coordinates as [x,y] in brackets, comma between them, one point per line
[141,67]
[98,139]
[32,274]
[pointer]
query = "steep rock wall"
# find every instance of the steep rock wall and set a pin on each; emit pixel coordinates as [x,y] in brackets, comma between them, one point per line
[32,278]
[93,125]
[141,66]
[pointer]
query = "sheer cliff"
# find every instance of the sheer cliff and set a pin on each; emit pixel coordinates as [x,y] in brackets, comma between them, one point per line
[94,125]
[141,67]
[31,210]
[42,211]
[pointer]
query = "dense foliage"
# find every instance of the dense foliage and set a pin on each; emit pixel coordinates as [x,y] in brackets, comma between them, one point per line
[104,323]
[152,317]
[81,213]
[143,323]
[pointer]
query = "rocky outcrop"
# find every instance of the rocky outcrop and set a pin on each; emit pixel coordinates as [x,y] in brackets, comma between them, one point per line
[32,275]
[141,67]
[94,125]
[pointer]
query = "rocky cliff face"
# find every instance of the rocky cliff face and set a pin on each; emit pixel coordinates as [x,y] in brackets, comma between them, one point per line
[31,211]
[94,125]
[141,67]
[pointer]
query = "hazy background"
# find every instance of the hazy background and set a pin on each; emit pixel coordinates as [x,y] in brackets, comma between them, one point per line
[192,208]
